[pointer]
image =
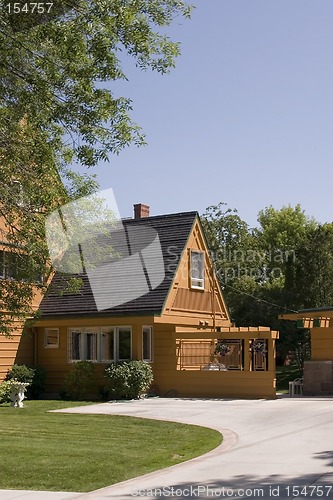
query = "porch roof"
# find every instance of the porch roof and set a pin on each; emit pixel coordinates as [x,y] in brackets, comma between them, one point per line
[312,313]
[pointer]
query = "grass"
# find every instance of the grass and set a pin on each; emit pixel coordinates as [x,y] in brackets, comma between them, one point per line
[285,374]
[70,452]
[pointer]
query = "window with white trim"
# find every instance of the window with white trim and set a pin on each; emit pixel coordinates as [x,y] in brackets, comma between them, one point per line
[75,345]
[197,269]
[51,338]
[90,345]
[147,343]
[107,345]
[101,345]
[123,343]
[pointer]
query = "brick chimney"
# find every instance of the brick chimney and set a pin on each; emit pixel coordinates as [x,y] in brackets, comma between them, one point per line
[141,211]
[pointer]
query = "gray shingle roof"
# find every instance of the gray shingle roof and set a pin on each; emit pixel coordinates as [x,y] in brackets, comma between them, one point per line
[173,231]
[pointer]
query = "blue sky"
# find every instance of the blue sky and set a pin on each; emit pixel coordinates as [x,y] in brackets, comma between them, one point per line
[246,117]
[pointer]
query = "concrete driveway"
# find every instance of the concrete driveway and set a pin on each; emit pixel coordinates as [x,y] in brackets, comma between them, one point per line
[272,449]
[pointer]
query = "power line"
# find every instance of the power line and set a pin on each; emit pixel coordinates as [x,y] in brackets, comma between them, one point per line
[257,298]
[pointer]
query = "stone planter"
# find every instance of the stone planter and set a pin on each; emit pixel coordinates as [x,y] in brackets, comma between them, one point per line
[17,390]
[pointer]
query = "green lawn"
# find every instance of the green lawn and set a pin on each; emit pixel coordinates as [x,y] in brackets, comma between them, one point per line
[285,374]
[69,452]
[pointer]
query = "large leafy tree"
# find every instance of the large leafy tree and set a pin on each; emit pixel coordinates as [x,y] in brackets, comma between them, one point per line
[269,269]
[57,108]
[311,281]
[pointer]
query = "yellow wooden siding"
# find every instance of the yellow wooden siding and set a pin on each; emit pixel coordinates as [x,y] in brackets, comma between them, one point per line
[322,344]
[195,382]
[219,384]
[55,360]
[15,350]
[183,300]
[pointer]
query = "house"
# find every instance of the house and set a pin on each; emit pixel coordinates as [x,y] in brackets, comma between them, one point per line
[167,310]
[318,371]
[18,347]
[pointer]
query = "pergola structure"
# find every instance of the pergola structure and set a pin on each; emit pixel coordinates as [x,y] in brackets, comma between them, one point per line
[228,362]
[318,372]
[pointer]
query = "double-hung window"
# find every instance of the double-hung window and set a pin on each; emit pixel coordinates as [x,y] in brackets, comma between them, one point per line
[107,345]
[102,345]
[123,343]
[82,344]
[75,345]
[197,269]
[147,343]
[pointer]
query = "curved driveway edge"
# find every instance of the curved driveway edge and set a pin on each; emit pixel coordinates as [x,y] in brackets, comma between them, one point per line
[284,450]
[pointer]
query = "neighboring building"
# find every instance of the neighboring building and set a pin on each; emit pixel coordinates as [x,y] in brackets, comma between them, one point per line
[18,347]
[318,372]
[175,326]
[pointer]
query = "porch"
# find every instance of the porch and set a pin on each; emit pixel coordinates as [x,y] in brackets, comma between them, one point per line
[233,362]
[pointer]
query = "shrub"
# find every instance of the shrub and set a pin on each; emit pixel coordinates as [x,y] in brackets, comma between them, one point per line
[35,377]
[37,387]
[5,392]
[80,381]
[127,380]
[22,373]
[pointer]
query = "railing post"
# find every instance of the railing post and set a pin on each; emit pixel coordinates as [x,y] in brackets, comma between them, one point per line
[271,355]
[247,361]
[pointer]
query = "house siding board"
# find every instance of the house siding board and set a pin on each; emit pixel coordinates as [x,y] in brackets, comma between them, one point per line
[216,384]
[322,343]
[173,231]
[183,299]
[18,349]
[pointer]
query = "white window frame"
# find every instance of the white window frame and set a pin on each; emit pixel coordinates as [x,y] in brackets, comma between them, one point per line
[195,282]
[105,330]
[118,328]
[69,344]
[148,329]
[47,345]
[97,332]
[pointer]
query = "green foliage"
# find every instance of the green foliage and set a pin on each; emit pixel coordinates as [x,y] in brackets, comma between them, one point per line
[283,264]
[80,382]
[35,377]
[53,69]
[286,374]
[57,108]
[37,387]
[128,380]
[22,373]
[5,388]
[311,279]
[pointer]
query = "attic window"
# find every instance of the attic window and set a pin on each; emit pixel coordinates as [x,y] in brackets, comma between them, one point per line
[197,270]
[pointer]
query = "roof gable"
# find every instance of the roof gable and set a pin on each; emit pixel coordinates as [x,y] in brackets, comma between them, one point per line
[185,299]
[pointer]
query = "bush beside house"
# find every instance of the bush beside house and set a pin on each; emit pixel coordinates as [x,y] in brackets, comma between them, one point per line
[127,380]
